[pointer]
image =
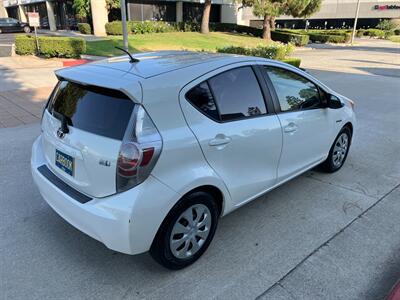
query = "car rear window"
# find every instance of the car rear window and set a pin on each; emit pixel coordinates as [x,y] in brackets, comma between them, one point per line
[93,109]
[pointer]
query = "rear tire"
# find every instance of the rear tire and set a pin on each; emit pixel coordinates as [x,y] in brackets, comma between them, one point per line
[186,232]
[27,29]
[338,152]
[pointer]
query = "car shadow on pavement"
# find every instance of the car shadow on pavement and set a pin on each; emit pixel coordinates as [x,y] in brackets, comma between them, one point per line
[19,104]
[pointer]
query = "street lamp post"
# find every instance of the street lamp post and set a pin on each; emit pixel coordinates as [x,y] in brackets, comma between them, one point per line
[355,22]
[124,25]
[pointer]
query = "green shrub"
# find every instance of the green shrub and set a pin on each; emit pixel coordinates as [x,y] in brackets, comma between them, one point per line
[286,37]
[84,28]
[25,45]
[137,27]
[50,46]
[360,32]
[397,31]
[273,51]
[187,26]
[374,33]
[151,27]
[323,36]
[327,38]
[229,27]
[294,61]
[386,25]
[389,33]
[115,28]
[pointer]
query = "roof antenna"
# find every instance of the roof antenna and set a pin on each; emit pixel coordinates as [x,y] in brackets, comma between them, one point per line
[132,59]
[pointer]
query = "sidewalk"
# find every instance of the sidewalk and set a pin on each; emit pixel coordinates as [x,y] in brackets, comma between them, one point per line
[70,33]
[24,106]
[25,84]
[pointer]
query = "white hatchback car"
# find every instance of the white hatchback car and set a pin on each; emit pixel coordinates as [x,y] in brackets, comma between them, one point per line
[147,153]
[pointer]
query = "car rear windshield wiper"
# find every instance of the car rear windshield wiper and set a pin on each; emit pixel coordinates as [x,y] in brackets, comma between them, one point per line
[64,121]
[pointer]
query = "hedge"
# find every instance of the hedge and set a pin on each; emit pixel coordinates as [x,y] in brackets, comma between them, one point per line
[294,61]
[372,32]
[84,28]
[397,31]
[274,51]
[325,38]
[286,37]
[50,46]
[360,32]
[115,27]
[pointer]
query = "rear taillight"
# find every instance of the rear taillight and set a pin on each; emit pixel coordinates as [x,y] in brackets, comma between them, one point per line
[139,151]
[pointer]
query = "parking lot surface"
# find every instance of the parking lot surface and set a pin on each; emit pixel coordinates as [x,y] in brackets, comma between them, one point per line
[7,38]
[320,236]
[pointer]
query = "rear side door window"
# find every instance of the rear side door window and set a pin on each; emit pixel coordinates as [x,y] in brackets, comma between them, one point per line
[294,92]
[237,94]
[200,97]
[229,96]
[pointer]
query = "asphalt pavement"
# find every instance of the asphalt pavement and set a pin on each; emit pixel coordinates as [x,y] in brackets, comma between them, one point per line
[7,38]
[319,236]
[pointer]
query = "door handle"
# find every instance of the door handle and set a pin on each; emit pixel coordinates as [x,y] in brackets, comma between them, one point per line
[291,127]
[219,140]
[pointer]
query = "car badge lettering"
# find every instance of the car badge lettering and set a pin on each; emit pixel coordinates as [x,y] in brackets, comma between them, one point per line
[105,163]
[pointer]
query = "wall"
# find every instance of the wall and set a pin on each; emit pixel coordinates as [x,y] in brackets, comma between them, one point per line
[3,12]
[345,9]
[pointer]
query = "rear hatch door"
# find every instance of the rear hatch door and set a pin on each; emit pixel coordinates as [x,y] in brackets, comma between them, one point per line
[85,157]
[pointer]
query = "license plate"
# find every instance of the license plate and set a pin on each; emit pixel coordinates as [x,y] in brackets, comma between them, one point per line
[65,162]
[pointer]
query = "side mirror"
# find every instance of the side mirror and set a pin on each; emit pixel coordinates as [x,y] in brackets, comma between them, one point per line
[331,101]
[334,102]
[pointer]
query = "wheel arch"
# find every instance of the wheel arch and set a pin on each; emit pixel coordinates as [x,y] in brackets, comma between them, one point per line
[214,191]
[350,126]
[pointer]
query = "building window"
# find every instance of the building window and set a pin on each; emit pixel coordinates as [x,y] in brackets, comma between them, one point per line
[193,12]
[142,10]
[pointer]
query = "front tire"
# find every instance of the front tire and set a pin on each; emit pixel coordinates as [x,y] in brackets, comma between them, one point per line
[186,232]
[27,29]
[338,152]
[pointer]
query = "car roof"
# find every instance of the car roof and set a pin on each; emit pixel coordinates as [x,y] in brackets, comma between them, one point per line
[180,66]
[160,62]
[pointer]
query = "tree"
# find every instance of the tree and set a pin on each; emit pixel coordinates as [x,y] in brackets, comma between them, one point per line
[205,20]
[270,9]
[266,9]
[113,4]
[303,11]
[82,8]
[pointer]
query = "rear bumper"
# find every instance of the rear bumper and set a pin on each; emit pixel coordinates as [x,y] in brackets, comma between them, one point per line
[125,222]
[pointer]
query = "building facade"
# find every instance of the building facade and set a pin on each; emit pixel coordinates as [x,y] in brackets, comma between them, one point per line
[53,14]
[333,13]
[339,14]
[224,11]
[59,14]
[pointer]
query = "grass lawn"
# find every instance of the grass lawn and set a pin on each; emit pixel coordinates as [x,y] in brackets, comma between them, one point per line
[171,41]
[395,38]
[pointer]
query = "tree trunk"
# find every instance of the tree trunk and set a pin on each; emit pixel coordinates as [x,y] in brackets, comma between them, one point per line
[205,20]
[272,23]
[267,28]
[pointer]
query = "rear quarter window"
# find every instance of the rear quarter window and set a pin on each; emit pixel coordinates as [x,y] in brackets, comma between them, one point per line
[96,110]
